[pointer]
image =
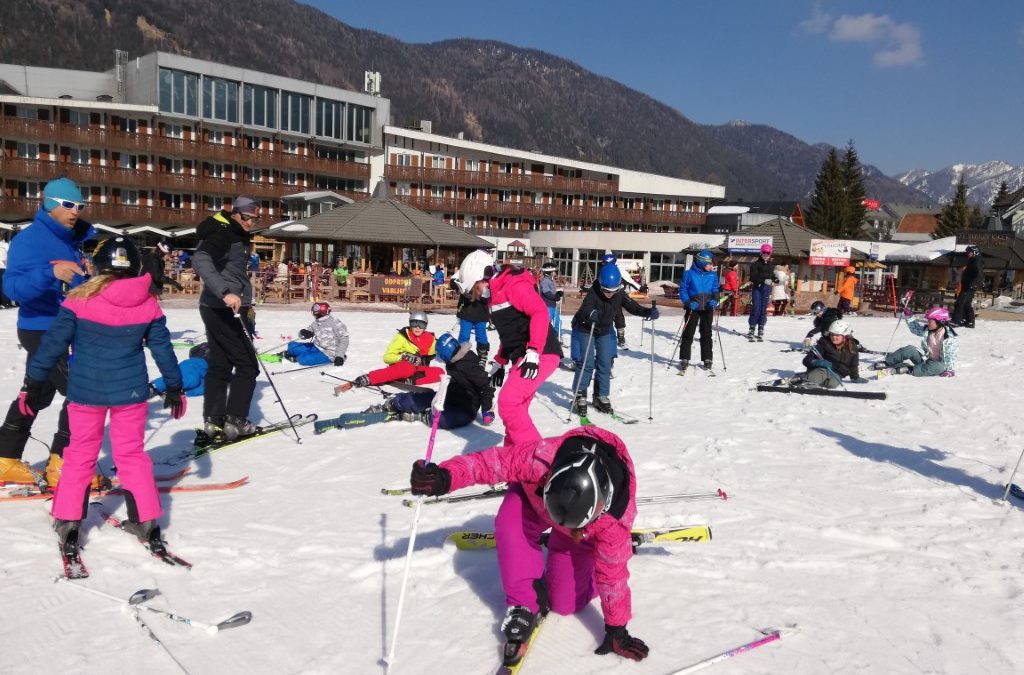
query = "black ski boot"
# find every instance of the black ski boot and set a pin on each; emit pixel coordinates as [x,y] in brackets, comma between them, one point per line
[621,334]
[603,404]
[518,627]
[482,351]
[750,334]
[760,333]
[707,364]
[237,427]
[388,406]
[67,535]
[683,365]
[148,532]
[579,406]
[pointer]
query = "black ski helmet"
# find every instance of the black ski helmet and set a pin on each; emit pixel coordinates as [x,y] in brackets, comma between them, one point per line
[817,307]
[579,489]
[200,351]
[118,256]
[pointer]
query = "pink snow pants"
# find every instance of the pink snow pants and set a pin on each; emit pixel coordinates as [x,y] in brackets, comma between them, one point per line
[569,576]
[127,432]
[516,396]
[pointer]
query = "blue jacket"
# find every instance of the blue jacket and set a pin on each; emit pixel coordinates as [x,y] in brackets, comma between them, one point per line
[29,279]
[698,286]
[107,333]
[193,377]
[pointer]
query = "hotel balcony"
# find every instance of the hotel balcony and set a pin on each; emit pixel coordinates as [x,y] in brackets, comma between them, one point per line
[528,211]
[162,146]
[495,179]
[20,208]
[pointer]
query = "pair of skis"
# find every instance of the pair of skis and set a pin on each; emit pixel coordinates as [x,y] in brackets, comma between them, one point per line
[468,540]
[32,492]
[205,444]
[784,386]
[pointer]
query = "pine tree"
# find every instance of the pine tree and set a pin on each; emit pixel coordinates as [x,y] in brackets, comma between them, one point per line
[1003,193]
[956,215]
[829,205]
[853,184]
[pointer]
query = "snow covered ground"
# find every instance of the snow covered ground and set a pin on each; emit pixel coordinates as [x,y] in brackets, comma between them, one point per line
[873,525]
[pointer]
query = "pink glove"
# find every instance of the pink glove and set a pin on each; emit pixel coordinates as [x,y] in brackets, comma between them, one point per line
[907,312]
[948,373]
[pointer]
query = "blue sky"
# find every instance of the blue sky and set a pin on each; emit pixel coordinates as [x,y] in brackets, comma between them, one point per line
[914,83]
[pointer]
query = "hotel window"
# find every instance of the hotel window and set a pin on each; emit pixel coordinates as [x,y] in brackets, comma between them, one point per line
[503,223]
[259,106]
[216,171]
[178,92]
[28,150]
[437,162]
[174,131]
[128,161]
[290,147]
[437,192]
[21,112]
[79,156]
[30,190]
[534,224]
[177,166]
[657,204]
[538,198]
[472,193]
[294,112]
[130,197]
[403,159]
[216,137]
[469,221]
[504,195]
[403,190]
[359,121]
[330,118]
[289,178]
[217,203]
[79,118]
[472,165]
[130,126]
[505,167]
[220,99]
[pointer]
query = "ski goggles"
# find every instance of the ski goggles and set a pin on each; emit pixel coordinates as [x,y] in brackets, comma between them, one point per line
[417,324]
[68,204]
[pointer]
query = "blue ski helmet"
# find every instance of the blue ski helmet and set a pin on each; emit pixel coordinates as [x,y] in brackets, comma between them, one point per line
[705,258]
[610,278]
[446,347]
[609,259]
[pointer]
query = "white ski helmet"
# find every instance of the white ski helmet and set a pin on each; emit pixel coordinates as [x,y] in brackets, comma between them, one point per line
[840,327]
[475,266]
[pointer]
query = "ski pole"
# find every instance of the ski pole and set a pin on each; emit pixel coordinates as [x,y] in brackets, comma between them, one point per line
[582,367]
[371,387]
[906,302]
[295,370]
[684,497]
[770,636]
[138,597]
[274,348]
[675,345]
[1009,483]
[438,406]
[252,348]
[721,347]
[650,387]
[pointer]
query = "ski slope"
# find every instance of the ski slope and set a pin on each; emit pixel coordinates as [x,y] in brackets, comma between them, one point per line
[876,526]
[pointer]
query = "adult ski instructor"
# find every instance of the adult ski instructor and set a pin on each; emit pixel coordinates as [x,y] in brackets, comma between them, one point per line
[221,261]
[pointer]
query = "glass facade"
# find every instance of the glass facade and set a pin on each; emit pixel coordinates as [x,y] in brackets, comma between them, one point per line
[259,106]
[178,92]
[667,267]
[220,99]
[294,112]
[330,118]
[359,120]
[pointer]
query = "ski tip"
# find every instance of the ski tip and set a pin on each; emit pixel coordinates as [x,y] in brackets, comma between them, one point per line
[1017,491]
[239,619]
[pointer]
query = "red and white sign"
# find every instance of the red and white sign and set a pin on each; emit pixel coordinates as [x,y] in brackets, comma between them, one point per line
[829,252]
[871,204]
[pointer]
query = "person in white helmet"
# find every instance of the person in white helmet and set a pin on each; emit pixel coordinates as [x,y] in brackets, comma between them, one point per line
[834,357]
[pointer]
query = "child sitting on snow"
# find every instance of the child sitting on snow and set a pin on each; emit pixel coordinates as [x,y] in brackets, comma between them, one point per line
[193,373]
[408,357]
[936,355]
[832,358]
[330,340]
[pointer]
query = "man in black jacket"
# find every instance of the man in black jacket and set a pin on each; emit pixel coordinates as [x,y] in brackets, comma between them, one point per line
[154,261]
[221,261]
[760,292]
[963,309]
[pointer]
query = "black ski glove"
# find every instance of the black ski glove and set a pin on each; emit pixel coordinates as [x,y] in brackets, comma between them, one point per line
[30,397]
[176,401]
[617,639]
[413,359]
[305,334]
[339,360]
[497,374]
[429,479]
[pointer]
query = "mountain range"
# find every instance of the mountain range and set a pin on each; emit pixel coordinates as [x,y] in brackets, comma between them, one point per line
[490,91]
[982,181]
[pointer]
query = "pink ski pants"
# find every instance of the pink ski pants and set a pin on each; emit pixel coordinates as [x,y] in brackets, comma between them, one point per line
[516,396]
[134,468]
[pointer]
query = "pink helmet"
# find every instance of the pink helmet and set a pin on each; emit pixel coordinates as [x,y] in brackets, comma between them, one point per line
[939,314]
[766,248]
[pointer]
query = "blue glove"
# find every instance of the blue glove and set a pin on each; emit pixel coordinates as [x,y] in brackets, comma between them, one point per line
[653,314]
[487,418]
[693,305]
[712,303]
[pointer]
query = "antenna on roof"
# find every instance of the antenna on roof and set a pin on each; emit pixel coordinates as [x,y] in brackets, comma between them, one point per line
[371,82]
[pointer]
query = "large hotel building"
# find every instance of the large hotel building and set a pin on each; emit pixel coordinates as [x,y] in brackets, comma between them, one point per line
[160,141]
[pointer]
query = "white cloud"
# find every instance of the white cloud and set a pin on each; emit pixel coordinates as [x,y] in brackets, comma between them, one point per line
[818,23]
[896,44]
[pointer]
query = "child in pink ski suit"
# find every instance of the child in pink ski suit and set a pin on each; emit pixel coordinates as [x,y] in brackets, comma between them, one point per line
[107,321]
[528,342]
[581,563]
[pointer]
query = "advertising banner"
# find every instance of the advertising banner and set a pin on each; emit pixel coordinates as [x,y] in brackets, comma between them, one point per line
[829,252]
[738,243]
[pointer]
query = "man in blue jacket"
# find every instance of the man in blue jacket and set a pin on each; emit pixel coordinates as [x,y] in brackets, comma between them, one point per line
[698,291]
[42,265]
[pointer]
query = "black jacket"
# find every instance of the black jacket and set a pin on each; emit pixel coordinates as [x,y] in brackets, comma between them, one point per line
[222,260]
[607,310]
[821,323]
[971,274]
[760,271]
[469,388]
[844,363]
[473,310]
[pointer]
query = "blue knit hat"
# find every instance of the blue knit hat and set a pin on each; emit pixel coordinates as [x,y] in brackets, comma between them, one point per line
[61,188]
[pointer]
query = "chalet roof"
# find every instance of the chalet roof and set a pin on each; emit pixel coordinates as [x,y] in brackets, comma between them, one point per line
[382,219]
[918,223]
[781,208]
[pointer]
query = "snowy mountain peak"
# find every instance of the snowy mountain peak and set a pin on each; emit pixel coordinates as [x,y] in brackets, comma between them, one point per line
[982,181]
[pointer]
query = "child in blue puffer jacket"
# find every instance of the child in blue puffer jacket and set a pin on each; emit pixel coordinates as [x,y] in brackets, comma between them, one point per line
[698,291]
